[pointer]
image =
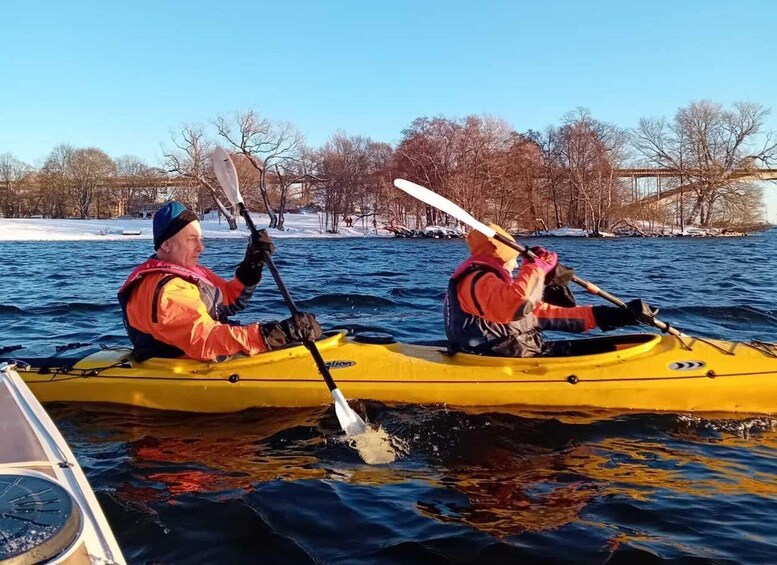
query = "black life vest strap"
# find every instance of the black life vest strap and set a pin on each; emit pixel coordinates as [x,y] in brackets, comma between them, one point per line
[480,273]
[155,305]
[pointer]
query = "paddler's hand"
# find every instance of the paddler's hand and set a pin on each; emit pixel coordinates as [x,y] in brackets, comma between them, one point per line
[611,317]
[544,259]
[249,271]
[298,328]
[641,311]
[304,327]
[259,247]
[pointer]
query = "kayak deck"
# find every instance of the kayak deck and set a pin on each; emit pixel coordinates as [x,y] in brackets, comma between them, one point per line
[639,372]
[49,512]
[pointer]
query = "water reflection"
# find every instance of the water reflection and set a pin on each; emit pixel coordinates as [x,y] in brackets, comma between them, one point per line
[532,474]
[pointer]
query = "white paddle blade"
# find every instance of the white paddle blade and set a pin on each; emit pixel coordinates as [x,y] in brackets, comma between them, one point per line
[350,421]
[227,175]
[443,204]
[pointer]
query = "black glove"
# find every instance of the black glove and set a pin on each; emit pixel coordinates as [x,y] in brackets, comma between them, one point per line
[557,291]
[641,311]
[301,327]
[559,295]
[249,273]
[258,246]
[611,317]
[560,275]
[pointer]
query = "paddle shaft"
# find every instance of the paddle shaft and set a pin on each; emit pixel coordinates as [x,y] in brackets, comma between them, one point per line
[590,287]
[309,344]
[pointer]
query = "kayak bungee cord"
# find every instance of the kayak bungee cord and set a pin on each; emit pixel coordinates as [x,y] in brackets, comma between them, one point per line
[769,348]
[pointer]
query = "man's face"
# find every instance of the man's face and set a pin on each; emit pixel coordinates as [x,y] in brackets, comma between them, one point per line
[184,248]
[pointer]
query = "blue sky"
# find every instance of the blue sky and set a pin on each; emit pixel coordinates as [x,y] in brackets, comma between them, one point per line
[121,77]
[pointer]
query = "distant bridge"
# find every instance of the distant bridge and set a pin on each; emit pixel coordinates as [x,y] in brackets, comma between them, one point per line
[743,175]
[128,182]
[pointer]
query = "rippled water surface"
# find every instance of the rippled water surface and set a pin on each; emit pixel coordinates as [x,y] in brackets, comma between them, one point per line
[507,486]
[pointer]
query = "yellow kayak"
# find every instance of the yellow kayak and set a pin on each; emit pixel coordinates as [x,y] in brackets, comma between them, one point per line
[637,372]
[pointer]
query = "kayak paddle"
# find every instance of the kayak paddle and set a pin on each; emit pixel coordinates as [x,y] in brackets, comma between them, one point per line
[441,203]
[225,171]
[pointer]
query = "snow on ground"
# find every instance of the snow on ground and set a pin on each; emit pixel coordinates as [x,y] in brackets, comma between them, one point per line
[297,225]
[570,232]
[656,228]
[37,229]
[442,231]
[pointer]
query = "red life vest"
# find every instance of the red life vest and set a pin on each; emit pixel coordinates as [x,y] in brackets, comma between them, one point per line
[473,334]
[145,345]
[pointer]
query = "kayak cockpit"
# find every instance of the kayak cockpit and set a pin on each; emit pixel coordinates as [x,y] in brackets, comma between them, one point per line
[626,345]
[608,344]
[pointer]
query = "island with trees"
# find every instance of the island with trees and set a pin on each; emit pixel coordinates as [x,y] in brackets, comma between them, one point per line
[701,172]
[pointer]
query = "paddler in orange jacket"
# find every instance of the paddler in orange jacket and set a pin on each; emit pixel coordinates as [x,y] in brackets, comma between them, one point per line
[488,312]
[173,307]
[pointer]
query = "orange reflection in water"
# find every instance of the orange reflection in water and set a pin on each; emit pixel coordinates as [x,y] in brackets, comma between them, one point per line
[507,495]
[499,490]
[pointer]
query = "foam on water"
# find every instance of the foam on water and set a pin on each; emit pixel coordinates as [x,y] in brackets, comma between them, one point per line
[377,447]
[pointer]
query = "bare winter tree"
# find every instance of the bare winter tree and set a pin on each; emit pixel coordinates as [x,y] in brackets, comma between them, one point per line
[136,183]
[345,170]
[462,159]
[13,174]
[589,152]
[426,155]
[554,179]
[90,171]
[480,182]
[309,165]
[741,204]
[518,195]
[301,173]
[265,144]
[712,149]
[55,181]
[191,158]
[378,184]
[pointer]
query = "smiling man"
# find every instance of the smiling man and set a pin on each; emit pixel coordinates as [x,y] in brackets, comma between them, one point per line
[173,306]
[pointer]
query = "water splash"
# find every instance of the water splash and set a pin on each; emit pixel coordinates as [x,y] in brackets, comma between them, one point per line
[743,428]
[377,447]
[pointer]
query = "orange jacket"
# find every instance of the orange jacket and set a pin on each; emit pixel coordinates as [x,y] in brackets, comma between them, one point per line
[499,301]
[175,312]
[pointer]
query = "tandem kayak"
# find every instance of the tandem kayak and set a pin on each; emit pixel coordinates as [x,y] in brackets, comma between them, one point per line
[633,372]
[48,512]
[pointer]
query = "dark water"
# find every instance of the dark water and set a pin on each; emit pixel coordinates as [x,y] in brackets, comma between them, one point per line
[279,486]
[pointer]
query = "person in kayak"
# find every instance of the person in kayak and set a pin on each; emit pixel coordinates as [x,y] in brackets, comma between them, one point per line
[488,312]
[172,306]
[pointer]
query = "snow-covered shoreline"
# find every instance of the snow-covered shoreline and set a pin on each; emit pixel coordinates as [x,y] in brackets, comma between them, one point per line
[296,226]
[37,229]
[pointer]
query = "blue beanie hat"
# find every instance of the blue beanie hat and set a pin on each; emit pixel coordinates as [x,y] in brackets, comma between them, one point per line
[169,220]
